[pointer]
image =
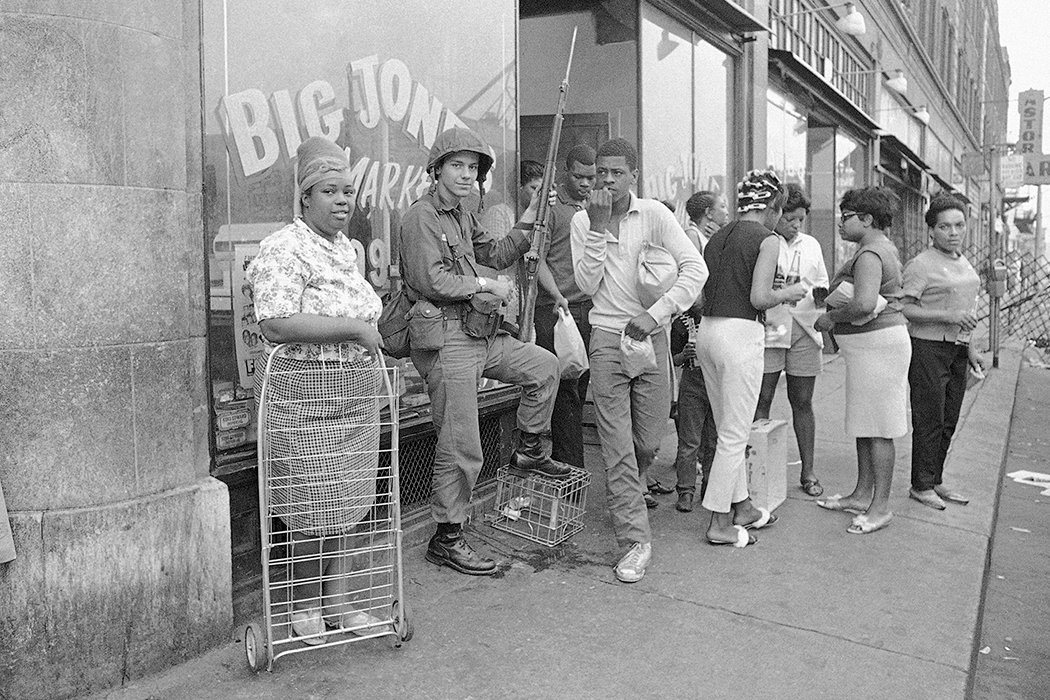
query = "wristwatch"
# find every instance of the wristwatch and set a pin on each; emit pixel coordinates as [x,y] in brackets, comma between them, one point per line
[481,283]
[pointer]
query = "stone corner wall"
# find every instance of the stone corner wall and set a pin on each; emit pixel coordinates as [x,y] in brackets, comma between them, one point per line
[123,539]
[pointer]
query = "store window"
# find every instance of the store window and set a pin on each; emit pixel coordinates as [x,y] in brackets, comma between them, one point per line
[786,138]
[360,74]
[685,132]
[850,170]
[603,87]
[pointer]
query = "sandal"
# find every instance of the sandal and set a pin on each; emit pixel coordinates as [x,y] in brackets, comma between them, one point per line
[863,525]
[743,539]
[765,519]
[835,503]
[812,487]
[657,487]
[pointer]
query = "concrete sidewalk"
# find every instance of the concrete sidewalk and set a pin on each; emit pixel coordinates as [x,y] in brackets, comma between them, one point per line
[809,612]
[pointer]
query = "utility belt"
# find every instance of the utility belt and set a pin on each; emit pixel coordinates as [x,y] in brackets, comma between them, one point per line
[480,316]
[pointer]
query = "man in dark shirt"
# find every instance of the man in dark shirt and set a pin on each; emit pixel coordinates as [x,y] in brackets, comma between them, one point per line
[455,343]
[558,290]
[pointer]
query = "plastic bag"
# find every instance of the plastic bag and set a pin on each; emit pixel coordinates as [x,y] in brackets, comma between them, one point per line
[568,346]
[639,356]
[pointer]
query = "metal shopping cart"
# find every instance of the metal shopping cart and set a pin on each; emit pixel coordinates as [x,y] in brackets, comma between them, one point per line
[329,509]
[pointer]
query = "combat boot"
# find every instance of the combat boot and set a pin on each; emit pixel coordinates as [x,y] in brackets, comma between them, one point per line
[448,548]
[534,455]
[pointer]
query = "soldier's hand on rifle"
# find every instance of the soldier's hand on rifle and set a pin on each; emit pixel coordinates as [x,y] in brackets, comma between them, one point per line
[529,216]
[501,287]
[599,209]
[641,326]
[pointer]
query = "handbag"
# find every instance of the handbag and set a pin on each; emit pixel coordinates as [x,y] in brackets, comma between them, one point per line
[657,272]
[393,325]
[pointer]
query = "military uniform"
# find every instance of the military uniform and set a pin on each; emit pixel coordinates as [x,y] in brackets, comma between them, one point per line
[441,247]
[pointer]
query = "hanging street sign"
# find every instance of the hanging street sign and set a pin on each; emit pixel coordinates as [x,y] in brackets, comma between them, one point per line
[1037,169]
[1011,171]
[1030,106]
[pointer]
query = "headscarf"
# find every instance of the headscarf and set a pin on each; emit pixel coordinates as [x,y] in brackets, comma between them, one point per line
[757,190]
[319,159]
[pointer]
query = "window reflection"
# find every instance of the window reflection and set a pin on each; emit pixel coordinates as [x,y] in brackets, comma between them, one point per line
[356,80]
[685,111]
[786,128]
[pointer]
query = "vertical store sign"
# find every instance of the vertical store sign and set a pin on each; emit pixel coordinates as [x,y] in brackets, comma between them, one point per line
[1030,106]
[246,334]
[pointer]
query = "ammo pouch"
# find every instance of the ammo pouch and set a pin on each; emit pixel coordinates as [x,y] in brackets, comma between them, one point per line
[480,317]
[426,326]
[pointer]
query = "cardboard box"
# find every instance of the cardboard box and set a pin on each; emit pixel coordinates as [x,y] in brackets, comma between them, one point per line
[766,461]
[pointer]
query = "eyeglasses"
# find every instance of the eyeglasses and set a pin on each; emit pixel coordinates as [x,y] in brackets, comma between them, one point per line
[846,215]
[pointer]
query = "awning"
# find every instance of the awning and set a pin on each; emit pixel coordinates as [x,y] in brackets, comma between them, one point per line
[948,187]
[896,144]
[822,90]
[735,18]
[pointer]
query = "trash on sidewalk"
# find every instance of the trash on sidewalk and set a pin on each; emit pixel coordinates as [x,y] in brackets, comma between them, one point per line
[1032,479]
[538,508]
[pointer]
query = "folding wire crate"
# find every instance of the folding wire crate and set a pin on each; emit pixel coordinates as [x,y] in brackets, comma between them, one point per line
[538,508]
[329,508]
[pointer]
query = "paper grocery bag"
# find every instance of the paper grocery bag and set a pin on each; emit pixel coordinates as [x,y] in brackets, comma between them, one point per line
[766,460]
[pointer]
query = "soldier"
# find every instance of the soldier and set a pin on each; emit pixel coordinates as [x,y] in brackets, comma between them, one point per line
[631,403]
[454,326]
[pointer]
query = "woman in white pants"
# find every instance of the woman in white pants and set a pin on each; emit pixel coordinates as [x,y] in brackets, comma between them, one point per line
[742,259]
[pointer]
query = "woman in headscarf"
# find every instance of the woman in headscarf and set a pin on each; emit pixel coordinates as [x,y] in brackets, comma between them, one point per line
[940,296]
[742,259]
[870,331]
[321,400]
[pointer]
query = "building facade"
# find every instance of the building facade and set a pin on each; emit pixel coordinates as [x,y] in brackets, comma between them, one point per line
[163,135]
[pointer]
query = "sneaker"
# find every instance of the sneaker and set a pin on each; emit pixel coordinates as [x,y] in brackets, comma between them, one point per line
[309,625]
[632,567]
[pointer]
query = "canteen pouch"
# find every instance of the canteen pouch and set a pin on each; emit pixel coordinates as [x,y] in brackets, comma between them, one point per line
[426,326]
[393,325]
[480,316]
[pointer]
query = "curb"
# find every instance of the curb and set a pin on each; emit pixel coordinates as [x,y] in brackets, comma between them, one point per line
[993,409]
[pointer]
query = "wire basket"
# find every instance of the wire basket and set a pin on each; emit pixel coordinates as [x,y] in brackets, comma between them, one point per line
[541,509]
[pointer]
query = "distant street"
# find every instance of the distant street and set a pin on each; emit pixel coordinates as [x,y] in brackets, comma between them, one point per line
[1014,640]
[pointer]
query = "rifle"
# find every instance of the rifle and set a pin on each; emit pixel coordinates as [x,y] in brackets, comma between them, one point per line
[542,226]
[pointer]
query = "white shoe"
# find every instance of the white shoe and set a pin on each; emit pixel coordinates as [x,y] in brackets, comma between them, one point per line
[631,568]
[359,622]
[309,625]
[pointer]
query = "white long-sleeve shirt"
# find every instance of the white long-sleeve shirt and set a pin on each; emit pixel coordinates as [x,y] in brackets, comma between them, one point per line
[606,267]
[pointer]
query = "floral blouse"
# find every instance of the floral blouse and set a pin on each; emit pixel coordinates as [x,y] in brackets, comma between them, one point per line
[299,271]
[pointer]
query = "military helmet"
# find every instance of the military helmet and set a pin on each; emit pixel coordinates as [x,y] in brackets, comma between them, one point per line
[458,139]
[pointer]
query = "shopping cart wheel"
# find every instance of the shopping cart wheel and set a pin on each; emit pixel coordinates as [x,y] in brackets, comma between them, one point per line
[255,647]
[402,623]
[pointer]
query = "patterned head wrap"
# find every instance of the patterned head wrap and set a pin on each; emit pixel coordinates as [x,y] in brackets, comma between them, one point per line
[319,159]
[757,191]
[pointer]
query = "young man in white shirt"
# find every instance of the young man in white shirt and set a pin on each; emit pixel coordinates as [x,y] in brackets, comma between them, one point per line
[631,411]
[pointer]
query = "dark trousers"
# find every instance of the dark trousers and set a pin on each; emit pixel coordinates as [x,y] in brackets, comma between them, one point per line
[937,376]
[567,421]
[697,433]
